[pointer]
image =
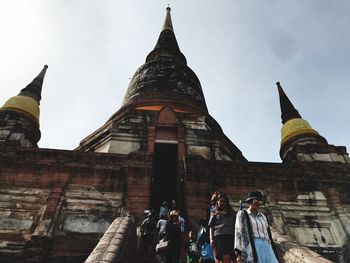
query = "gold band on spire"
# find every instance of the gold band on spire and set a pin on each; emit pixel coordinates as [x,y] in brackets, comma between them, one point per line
[295,127]
[27,101]
[25,105]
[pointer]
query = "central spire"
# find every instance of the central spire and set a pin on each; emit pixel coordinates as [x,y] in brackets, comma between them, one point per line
[166,45]
[165,78]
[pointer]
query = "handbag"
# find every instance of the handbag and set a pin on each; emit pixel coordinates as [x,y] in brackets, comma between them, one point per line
[162,246]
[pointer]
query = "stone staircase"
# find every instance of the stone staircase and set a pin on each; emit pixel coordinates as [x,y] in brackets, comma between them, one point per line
[118,244]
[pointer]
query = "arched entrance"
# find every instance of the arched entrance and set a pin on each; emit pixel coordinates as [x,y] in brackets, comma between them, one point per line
[166,142]
[165,176]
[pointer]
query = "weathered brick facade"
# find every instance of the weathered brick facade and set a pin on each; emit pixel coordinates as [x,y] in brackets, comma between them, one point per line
[162,144]
[56,204]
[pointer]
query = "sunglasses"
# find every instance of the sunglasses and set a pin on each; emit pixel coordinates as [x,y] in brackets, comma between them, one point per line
[259,201]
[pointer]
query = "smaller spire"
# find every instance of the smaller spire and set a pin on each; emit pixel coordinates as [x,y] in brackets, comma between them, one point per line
[33,89]
[167,23]
[288,111]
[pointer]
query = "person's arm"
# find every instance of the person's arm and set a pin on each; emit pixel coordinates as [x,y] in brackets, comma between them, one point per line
[238,236]
[212,223]
[211,236]
[142,226]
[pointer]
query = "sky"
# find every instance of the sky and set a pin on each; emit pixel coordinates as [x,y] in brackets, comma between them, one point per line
[238,49]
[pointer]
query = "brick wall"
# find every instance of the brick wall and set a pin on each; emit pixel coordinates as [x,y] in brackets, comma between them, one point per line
[61,202]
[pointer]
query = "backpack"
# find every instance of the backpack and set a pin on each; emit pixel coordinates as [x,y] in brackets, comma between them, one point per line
[207,252]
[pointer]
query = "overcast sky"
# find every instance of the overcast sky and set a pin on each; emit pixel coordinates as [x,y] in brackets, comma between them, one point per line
[238,49]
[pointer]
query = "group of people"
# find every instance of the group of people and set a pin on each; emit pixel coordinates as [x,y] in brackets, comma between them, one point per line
[169,229]
[244,237]
[227,236]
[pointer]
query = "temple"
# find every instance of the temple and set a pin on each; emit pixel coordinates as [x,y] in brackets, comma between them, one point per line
[162,144]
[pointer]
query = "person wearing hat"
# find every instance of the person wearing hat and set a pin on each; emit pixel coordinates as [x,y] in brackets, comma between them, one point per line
[253,241]
[173,235]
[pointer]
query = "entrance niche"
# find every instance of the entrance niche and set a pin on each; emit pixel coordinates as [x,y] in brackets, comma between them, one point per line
[164,182]
[167,145]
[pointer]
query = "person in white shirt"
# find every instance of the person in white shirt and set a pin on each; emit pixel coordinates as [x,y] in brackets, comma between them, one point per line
[253,241]
[161,226]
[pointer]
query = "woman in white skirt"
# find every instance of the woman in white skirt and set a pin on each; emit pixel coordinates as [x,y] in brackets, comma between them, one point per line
[253,241]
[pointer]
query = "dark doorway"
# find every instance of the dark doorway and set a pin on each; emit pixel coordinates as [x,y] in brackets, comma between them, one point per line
[165,182]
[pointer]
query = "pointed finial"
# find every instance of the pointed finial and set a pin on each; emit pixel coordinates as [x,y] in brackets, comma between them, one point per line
[166,43]
[167,23]
[33,89]
[288,111]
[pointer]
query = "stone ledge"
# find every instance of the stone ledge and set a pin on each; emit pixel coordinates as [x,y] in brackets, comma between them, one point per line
[292,252]
[118,244]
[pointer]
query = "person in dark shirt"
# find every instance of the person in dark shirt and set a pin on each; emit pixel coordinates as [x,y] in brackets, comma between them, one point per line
[147,228]
[221,230]
[173,234]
